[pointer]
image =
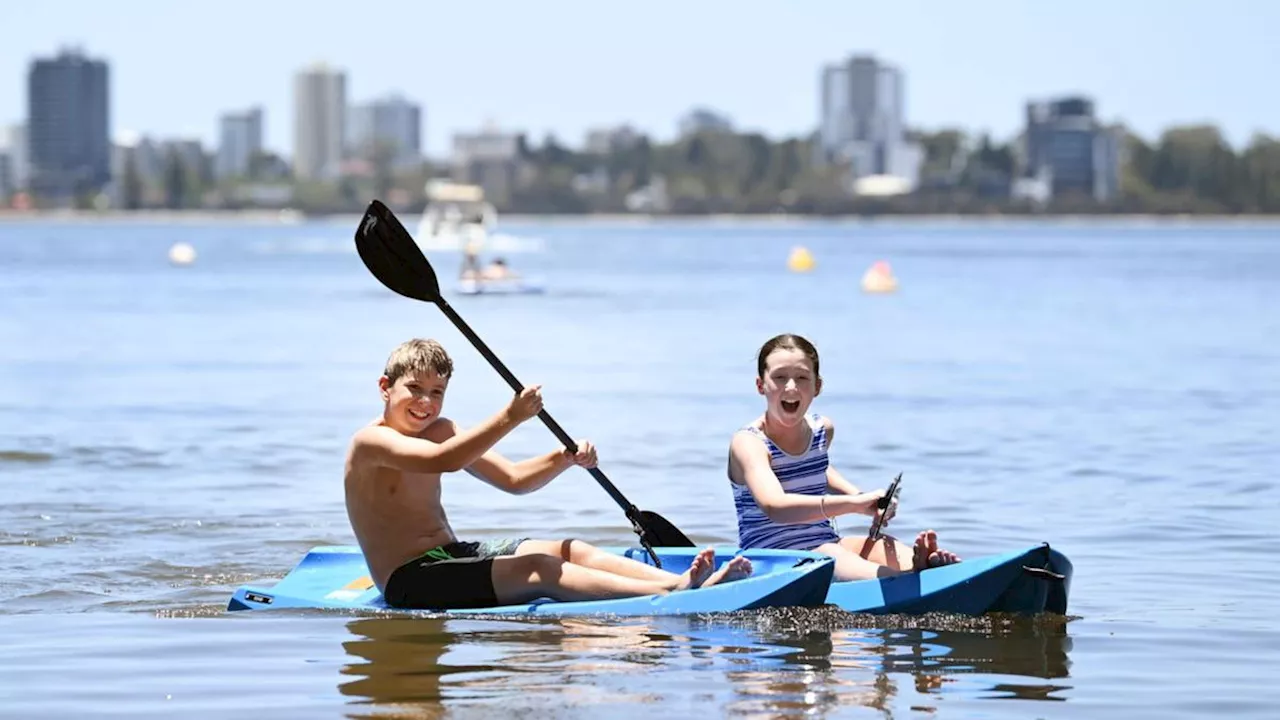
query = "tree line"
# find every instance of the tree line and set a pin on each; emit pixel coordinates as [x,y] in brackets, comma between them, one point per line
[1190,169]
[1186,170]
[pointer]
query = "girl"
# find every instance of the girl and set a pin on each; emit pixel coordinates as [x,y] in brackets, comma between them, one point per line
[781,476]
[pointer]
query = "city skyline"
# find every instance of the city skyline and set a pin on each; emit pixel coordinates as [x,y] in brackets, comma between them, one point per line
[516,75]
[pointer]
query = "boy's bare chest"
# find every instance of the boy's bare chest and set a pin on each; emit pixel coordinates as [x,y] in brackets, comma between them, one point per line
[419,488]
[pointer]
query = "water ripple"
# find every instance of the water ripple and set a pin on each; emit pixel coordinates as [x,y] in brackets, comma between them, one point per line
[1100,389]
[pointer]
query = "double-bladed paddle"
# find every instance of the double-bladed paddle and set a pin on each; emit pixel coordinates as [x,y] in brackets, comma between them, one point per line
[391,254]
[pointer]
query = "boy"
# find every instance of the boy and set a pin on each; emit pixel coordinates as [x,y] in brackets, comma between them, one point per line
[392,482]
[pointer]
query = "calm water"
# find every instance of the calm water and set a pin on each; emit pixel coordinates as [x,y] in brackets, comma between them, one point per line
[167,434]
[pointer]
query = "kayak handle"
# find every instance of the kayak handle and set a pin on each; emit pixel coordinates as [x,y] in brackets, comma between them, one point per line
[1043,574]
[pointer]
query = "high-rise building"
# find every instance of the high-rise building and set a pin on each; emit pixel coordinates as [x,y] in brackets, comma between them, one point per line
[862,119]
[319,120]
[68,125]
[392,123]
[1066,144]
[15,140]
[240,138]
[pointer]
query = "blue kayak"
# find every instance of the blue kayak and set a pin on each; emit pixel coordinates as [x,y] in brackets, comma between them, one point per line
[336,577]
[1028,581]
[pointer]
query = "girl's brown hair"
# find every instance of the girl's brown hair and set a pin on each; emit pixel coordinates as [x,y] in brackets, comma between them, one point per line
[787,341]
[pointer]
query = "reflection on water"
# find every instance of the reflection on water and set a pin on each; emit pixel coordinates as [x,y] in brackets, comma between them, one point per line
[422,663]
[778,663]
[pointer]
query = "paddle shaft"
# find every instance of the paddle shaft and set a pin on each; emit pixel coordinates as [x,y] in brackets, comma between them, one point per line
[632,513]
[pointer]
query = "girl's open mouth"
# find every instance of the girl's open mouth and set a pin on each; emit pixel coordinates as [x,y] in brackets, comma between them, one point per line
[790,406]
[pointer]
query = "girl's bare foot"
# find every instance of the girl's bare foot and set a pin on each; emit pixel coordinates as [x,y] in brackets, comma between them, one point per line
[943,557]
[735,569]
[926,554]
[699,570]
[920,552]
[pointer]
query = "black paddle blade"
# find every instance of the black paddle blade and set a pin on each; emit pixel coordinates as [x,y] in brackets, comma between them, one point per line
[659,532]
[390,253]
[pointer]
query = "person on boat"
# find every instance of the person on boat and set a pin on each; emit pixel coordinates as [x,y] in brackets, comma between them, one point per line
[393,498]
[785,491]
[498,270]
[470,262]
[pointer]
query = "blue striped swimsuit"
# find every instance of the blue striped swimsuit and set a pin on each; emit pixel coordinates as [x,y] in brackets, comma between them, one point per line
[804,474]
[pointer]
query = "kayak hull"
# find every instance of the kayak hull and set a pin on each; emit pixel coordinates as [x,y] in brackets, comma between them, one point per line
[336,577]
[1028,581]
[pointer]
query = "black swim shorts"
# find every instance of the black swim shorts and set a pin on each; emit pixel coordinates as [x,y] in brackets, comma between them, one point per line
[457,575]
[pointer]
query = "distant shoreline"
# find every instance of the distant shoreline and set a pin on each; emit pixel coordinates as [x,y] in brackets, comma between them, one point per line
[276,217]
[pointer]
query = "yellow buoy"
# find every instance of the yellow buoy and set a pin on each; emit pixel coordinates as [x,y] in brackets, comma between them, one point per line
[879,278]
[182,254]
[800,260]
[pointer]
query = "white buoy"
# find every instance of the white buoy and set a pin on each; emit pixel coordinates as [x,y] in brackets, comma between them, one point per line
[182,254]
[879,278]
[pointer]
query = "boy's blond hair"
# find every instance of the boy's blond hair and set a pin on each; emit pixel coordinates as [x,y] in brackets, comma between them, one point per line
[418,356]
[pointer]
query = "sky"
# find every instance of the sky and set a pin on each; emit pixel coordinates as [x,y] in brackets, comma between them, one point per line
[565,66]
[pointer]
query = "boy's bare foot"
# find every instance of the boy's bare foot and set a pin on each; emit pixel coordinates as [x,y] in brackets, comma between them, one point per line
[926,553]
[735,569]
[699,570]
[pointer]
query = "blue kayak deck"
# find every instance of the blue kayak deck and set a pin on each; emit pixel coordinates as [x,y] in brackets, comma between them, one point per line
[1028,581]
[336,577]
